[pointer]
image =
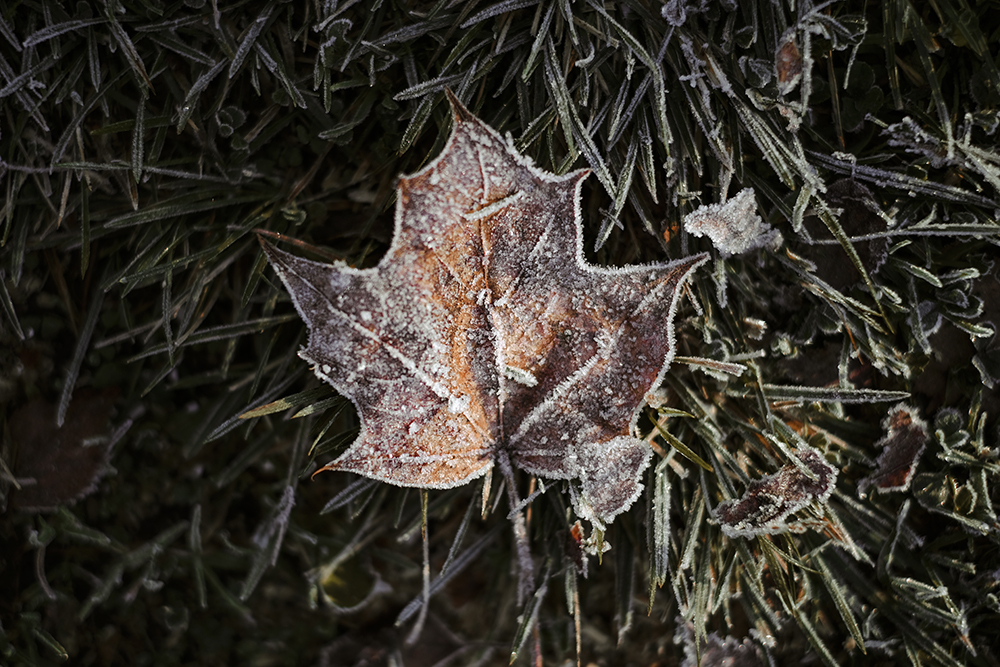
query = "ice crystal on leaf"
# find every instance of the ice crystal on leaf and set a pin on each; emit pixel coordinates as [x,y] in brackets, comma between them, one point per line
[484,330]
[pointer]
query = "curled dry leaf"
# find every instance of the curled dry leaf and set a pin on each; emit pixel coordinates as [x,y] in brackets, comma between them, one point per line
[733,226]
[768,502]
[484,329]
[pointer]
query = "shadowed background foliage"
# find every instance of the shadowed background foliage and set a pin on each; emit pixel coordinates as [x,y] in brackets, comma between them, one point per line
[146,522]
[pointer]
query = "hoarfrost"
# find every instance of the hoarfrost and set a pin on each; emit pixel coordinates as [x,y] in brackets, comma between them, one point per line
[716,650]
[520,376]
[676,12]
[271,533]
[458,404]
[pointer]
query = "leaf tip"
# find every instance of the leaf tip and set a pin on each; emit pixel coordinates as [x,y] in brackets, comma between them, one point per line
[458,110]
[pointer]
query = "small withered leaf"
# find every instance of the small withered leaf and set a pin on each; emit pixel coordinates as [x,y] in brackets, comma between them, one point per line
[733,226]
[788,64]
[484,329]
[768,502]
[906,436]
[58,466]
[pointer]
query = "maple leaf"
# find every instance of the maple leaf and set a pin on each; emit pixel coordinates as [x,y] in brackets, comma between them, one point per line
[484,330]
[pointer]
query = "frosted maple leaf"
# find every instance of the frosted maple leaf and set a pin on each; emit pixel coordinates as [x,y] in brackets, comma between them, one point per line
[483,332]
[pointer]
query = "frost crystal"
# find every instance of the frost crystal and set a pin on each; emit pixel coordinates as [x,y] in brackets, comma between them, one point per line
[734,226]
[676,11]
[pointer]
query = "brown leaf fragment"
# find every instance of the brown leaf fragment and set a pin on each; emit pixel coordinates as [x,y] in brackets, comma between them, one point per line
[768,502]
[484,328]
[58,466]
[906,436]
[576,549]
[788,64]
